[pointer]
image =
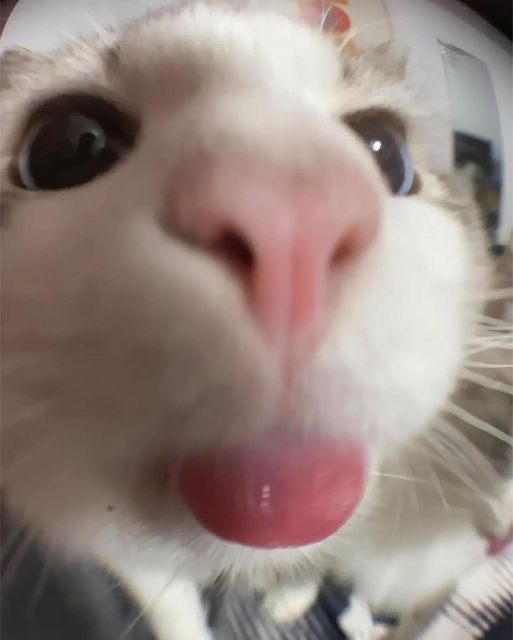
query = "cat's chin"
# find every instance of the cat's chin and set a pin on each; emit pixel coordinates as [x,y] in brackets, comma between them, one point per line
[286,493]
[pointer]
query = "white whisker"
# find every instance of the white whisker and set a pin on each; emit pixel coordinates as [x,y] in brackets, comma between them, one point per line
[458,454]
[489,340]
[466,450]
[484,381]
[474,421]
[438,485]
[487,365]
[496,294]
[483,317]
[142,613]
[19,555]
[18,529]
[38,588]
[324,17]
[395,476]
[489,326]
[454,462]
[375,23]
[496,344]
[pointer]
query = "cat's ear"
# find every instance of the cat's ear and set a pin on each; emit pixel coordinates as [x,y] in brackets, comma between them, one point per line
[17,61]
[391,58]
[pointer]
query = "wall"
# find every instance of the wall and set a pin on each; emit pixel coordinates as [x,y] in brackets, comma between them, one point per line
[420,24]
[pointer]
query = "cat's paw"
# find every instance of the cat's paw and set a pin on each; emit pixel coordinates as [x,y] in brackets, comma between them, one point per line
[172,606]
[357,623]
[287,603]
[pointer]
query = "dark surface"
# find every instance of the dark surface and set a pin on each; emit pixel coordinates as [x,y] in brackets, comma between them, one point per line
[45,599]
[503,630]
[496,12]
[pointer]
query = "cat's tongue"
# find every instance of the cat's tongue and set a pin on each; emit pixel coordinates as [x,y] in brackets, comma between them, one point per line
[275,496]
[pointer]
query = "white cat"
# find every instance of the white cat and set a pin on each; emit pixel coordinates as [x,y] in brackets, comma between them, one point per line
[235,306]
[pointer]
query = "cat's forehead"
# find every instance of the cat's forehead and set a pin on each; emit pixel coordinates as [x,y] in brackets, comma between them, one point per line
[215,46]
[169,53]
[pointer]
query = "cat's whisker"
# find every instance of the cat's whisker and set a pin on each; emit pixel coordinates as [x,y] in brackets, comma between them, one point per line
[414,498]
[487,365]
[497,333]
[467,452]
[495,322]
[324,16]
[399,512]
[476,422]
[395,476]
[19,555]
[492,320]
[391,22]
[495,294]
[439,488]
[447,456]
[461,459]
[494,344]
[142,613]
[498,356]
[489,334]
[484,381]
[6,547]
[37,589]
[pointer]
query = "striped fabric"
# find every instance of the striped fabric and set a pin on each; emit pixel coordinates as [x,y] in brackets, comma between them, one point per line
[480,609]
[482,603]
[44,599]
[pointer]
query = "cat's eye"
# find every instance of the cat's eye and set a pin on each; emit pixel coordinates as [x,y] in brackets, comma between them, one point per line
[387,144]
[71,141]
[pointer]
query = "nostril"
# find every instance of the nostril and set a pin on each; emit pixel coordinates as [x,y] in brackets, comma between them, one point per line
[231,247]
[352,242]
[342,252]
[339,254]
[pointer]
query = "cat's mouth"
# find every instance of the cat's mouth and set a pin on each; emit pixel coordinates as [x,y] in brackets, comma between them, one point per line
[278,494]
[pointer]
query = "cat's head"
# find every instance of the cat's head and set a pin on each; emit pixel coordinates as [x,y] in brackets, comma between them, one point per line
[230,283]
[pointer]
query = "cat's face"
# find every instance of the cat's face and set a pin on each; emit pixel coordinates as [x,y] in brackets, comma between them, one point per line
[243,297]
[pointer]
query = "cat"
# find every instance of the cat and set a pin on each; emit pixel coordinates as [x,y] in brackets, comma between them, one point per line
[239,314]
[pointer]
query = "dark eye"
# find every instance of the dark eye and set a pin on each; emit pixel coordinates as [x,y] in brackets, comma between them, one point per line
[388,146]
[72,141]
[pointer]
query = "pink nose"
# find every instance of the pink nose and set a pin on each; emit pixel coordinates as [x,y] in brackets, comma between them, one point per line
[287,242]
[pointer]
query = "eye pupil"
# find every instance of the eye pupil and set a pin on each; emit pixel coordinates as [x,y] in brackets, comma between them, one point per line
[389,149]
[88,138]
[71,145]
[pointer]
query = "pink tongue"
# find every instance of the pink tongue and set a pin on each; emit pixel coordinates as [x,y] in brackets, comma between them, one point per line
[283,496]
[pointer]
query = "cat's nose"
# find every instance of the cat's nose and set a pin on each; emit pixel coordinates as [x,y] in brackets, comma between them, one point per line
[289,244]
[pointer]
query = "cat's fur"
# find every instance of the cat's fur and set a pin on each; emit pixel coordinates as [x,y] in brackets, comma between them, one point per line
[120,341]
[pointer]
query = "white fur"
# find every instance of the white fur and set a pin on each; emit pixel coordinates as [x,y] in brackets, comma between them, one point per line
[288,602]
[356,622]
[121,342]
